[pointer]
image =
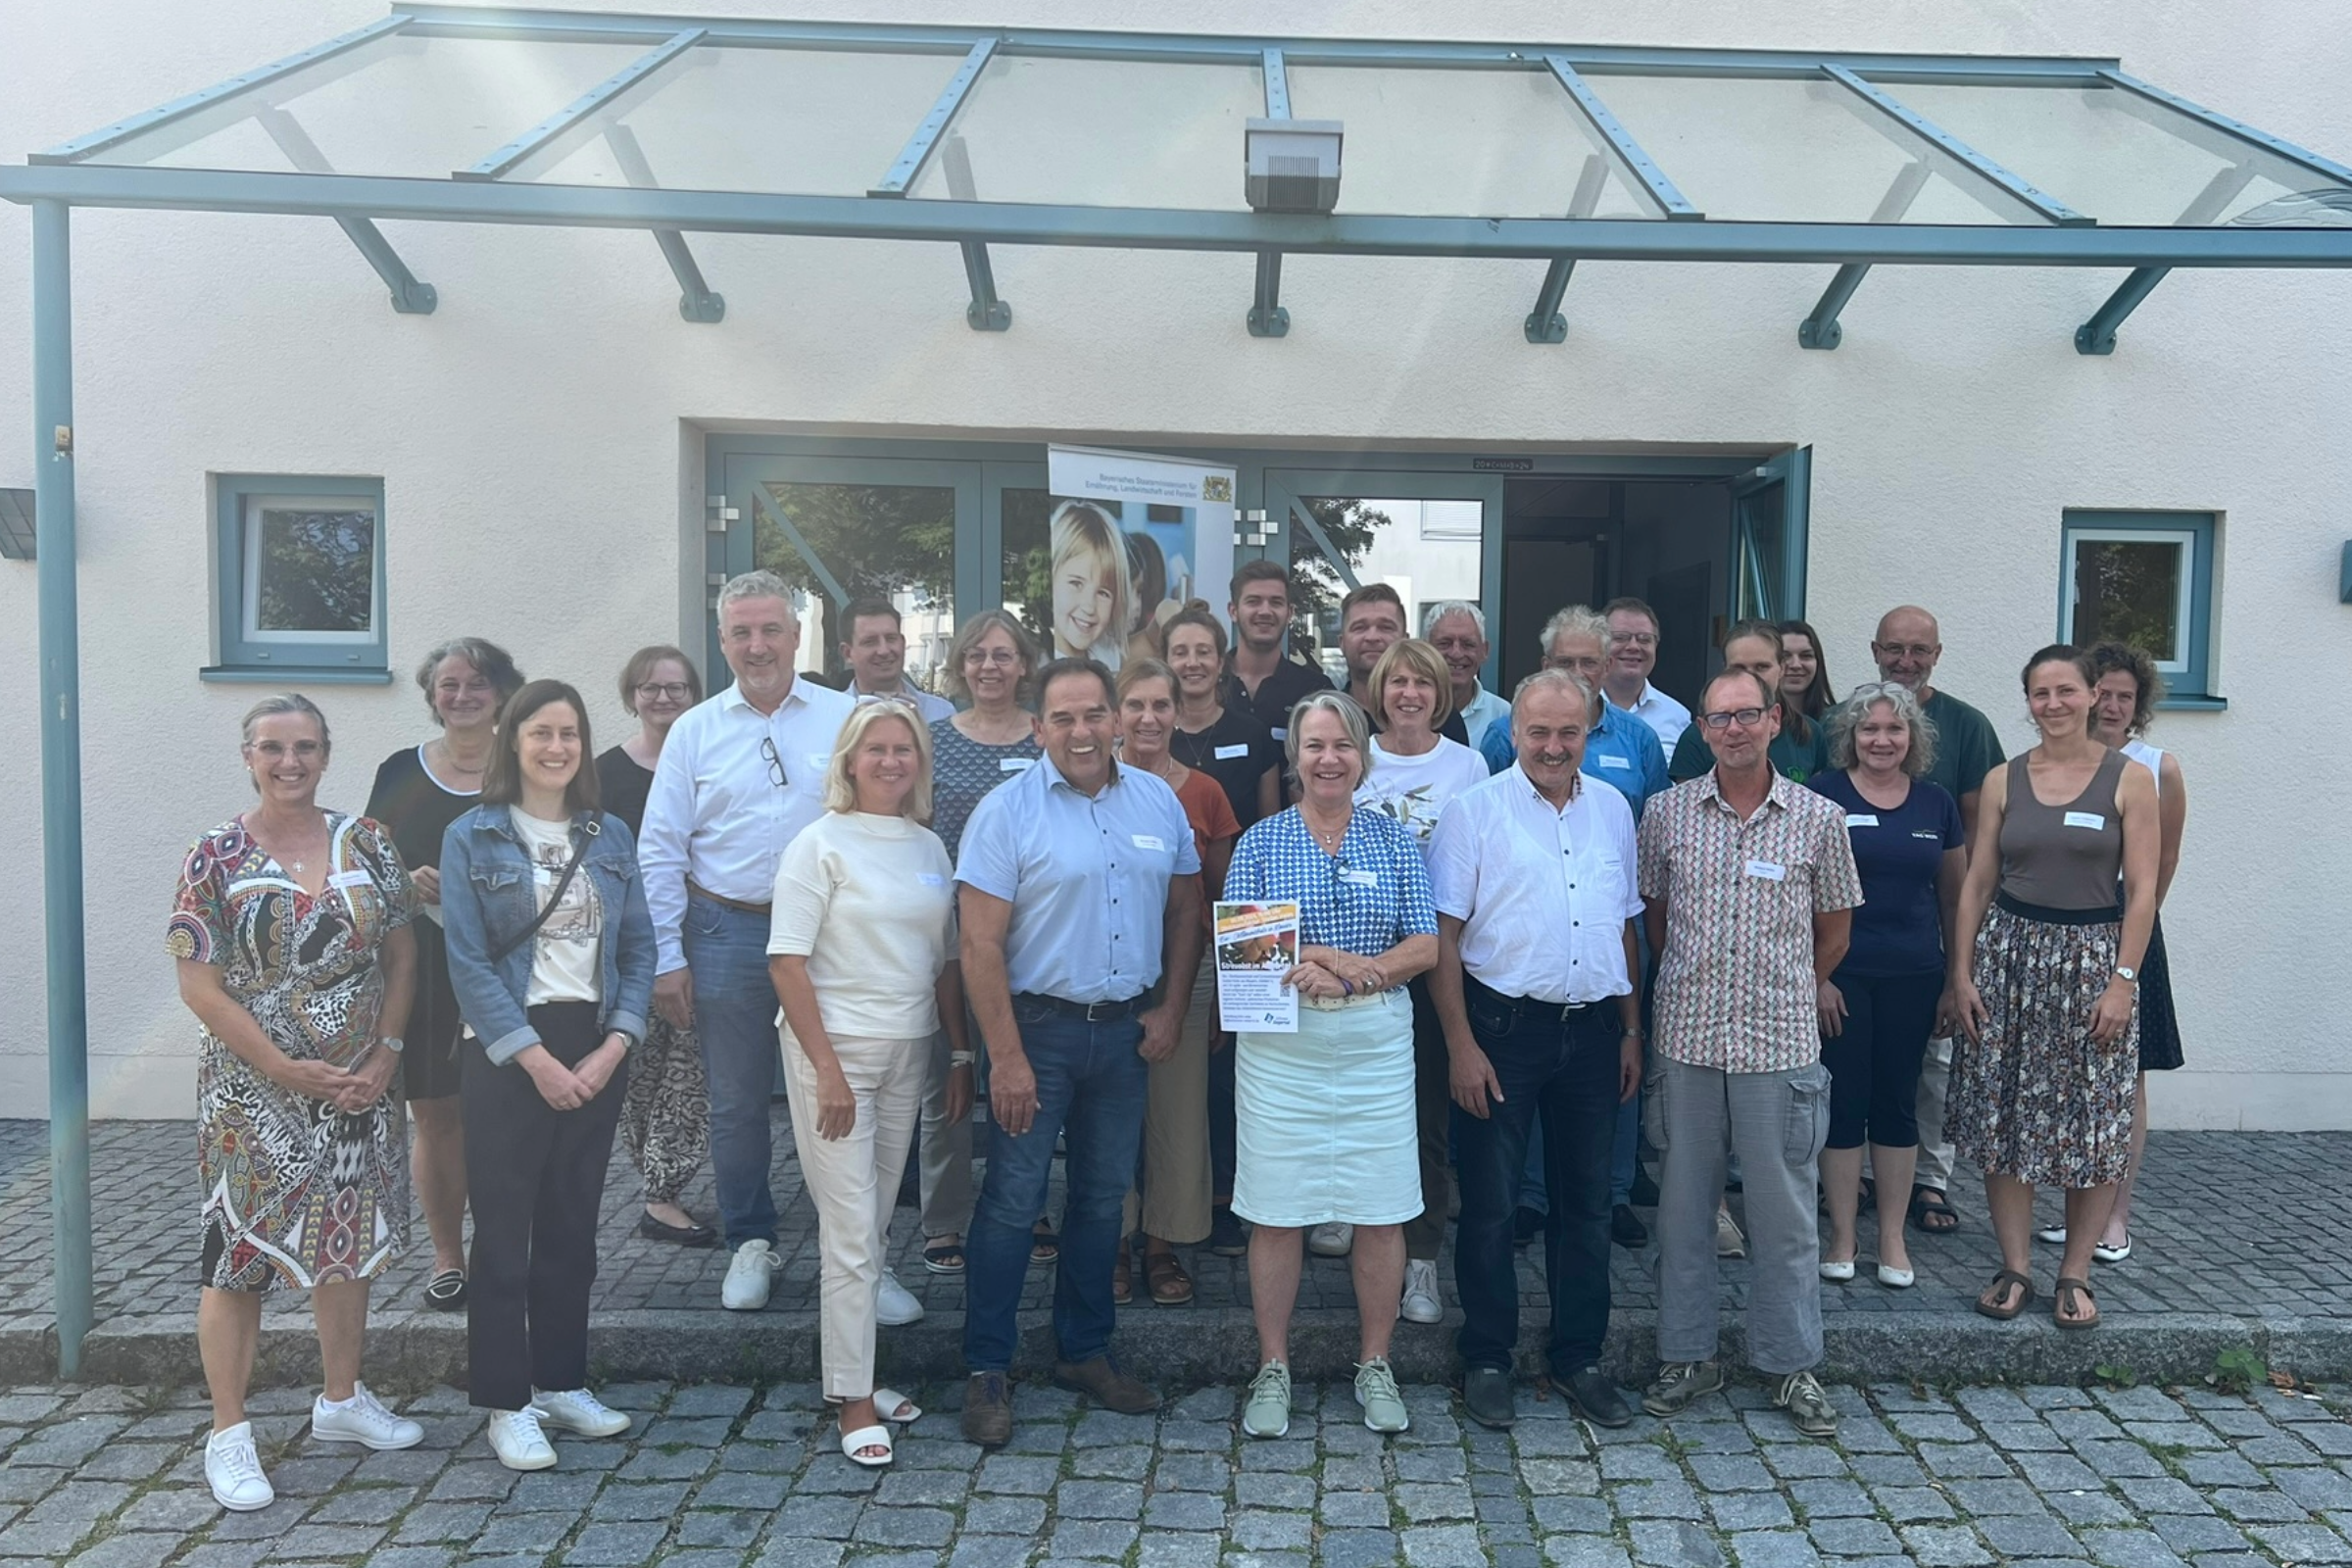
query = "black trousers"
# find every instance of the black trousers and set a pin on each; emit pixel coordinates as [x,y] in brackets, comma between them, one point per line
[536,1177]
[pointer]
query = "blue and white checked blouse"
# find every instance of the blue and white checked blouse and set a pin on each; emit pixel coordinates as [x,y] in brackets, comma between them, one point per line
[1371,898]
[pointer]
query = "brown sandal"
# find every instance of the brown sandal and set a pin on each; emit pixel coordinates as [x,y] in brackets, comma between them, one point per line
[2072,1293]
[1169,1284]
[1988,1302]
[1122,1278]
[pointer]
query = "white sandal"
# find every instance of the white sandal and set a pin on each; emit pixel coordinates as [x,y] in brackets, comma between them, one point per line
[893,1406]
[855,1443]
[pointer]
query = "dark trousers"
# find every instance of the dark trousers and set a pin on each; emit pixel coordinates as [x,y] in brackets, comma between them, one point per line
[537,1179]
[1560,1069]
[1874,1061]
[1433,1120]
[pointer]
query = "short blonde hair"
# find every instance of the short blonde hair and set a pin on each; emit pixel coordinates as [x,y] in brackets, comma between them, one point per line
[1351,719]
[1423,659]
[841,791]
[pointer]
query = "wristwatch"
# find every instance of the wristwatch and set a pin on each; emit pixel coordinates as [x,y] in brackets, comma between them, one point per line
[959,1059]
[2127,974]
[394,1044]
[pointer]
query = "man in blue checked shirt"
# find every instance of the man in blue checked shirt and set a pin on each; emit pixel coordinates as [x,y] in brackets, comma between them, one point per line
[1079,893]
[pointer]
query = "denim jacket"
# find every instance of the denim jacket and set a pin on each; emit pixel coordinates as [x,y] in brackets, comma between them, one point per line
[488,892]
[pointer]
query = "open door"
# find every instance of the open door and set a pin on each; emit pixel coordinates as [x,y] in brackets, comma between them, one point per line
[1768,538]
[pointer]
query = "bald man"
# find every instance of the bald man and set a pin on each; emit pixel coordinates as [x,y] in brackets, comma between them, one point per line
[1907,647]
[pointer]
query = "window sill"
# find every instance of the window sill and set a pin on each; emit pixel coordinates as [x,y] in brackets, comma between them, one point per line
[292,675]
[2185,702]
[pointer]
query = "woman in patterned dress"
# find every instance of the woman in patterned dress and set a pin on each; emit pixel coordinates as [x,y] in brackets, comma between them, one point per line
[291,934]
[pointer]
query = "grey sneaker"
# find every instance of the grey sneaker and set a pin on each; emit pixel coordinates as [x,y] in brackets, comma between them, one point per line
[1802,1394]
[1376,1392]
[1678,1384]
[1268,1412]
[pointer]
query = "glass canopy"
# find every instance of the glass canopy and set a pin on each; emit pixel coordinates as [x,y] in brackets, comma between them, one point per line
[1033,136]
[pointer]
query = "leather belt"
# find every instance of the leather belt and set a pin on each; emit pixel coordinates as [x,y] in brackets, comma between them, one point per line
[1089,1011]
[723,901]
[1563,1010]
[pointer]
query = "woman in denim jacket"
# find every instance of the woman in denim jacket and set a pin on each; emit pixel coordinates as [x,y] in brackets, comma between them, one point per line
[554,973]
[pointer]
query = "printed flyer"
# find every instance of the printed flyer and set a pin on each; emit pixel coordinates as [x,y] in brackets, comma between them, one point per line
[1257,944]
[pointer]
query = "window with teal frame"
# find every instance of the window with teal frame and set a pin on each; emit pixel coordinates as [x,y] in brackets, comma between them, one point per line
[2144,578]
[298,578]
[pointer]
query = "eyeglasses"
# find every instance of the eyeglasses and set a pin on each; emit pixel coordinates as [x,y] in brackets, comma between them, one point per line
[1003,658]
[306,750]
[1744,717]
[776,763]
[1907,649]
[1639,639]
[655,691]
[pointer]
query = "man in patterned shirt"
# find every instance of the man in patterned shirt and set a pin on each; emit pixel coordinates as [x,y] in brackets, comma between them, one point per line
[1750,888]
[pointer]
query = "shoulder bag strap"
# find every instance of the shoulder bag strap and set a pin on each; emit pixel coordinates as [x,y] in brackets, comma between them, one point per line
[587,829]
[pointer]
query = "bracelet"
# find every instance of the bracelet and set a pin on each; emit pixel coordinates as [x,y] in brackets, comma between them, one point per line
[959,1059]
[1344,988]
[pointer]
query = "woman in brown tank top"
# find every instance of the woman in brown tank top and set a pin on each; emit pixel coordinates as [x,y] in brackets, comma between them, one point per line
[2045,994]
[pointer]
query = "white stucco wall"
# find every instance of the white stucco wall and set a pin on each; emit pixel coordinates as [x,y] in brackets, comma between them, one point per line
[541,468]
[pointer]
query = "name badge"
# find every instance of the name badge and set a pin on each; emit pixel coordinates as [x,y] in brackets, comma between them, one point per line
[1360,879]
[931,879]
[2089,820]
[1151,841]
[1617,762]
[1280,734]
[1226,754]
[1926,833]
[1014,764]
[350,879]
[820,760]
[1861,819]
[1767,870]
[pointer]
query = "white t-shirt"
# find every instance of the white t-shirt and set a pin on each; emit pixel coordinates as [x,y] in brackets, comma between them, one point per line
[566,951]
[1415,790]
[870,903]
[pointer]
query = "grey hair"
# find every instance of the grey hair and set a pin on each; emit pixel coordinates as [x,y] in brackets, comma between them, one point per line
[1546,679]
[287,703]
[1577,621]
[1846,717]
[489,661]
[1453,606]
[758,583]
[1351,716]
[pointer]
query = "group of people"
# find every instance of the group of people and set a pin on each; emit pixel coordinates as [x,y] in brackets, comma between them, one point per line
[1773,938]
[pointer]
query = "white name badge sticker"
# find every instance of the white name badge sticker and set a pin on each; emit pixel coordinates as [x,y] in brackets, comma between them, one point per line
[1360,879]
[2092,820]
[1014,764]
[1151,841]
[350,879]
[1861,819]
[1767,870]
[820,760]
[931,879]
[1280,734]
[1617,762]
[1226,754]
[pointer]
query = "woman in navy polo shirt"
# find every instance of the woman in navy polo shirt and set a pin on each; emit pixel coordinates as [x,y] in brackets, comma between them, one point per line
[1880,1006]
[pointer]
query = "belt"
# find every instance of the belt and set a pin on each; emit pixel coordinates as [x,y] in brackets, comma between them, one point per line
[721,900]
[2107,915]
[1089,1011]
[1565,1011]
[1337,1003]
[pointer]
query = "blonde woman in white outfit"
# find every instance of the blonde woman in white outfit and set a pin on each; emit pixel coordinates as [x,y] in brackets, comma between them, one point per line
[861,952]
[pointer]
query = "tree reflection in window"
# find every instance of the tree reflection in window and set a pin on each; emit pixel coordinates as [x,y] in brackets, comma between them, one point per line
[315,571]
[893,542]
[2129,591]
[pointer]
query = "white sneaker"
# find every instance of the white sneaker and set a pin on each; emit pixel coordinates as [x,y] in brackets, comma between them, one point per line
[515,1438]
[897,1306]
[577,1410]
[1332,1239]
[1421,1303]
[234,1470]
[1729,1243]
[749,1278]
[362,1419]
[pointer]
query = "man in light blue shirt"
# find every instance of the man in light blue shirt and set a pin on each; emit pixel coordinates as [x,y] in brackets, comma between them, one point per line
[1080,890]
[1458,629]
[1621,750]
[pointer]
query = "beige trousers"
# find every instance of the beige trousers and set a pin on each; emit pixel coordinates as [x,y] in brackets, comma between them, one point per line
[946,1147]
[1175,1199]
[853,1181]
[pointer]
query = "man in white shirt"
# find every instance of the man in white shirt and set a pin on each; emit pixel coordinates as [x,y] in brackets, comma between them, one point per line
[875,650]
[1458,629]
[1632,655]
[1532,874]
[740,775]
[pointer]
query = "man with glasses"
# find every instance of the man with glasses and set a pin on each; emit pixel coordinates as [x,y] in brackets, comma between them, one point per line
[875,650]
[740,775]
[1751,885]
[1079,890]
[1907,647]
[1632,655]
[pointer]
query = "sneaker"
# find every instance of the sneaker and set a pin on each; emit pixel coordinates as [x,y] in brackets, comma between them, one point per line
[234,1470]
[1421,1303]
[1333,1238]
[1376,1392]
[1678,1384]
[1226,1237]
[750,1275]
[1729,1243]
[577,1410]
[1802,1394]
[362,1419]
[898,1306]
[1267,1414]
[518,1441]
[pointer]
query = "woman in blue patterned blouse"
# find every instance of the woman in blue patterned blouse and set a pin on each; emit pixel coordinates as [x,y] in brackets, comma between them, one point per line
[1325,1115]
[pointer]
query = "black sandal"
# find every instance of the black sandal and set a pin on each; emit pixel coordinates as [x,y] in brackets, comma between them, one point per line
[943,1257]
[1044,1246]
[445,1292]
[1932,1212]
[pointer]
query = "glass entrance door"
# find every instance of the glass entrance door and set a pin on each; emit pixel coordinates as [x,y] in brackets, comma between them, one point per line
[1768,538]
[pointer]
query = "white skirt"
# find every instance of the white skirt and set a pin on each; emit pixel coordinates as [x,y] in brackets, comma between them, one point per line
[1324,1119]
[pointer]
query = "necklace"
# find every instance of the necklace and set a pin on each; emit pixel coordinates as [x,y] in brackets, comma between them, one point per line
[450,762]
[1329,841]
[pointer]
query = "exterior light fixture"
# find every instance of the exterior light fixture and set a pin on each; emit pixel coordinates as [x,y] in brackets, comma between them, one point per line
[1292,166]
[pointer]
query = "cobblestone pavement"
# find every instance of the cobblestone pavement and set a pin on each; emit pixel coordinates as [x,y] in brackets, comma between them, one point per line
[2282,1252]
[2124,1478]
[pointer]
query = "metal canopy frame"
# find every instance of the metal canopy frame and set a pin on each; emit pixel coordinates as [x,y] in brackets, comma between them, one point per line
[501,186]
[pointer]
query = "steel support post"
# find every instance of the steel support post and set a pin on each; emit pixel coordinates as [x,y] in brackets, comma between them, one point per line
[1267,318]
[2097,336]
[60,779]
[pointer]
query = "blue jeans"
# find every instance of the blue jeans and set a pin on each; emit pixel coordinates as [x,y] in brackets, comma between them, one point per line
[735,1013]
[1628,1151]
[1090,1089]
[1561,1072]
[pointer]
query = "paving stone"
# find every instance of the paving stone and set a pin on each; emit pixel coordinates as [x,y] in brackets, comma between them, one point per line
[991,1552]
[736,1528]
[2080,1508]
[1775,1549]
[1731,1472]
[1584,1515]
[1911,1504]
[2021,1536]
[2199,1533]
[1353,1510]
[1656,1499]
[1184,1510]
[147,1549]
[1674,1544]
[2130,1548]
[1360,1549]
[1423,1503]
[2258,1505]
[879,1526]
[1585,1551]
[641,1500]
[1269,1530]
[1749,1511]
[2300,1543]
[309,1543]
[1945,1546]
[1443,1546]
[1832,1499]
[787,1551]
[1096,1538]
[1005,1516]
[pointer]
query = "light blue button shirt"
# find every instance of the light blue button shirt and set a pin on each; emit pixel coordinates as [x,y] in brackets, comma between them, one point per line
[1622,752]
[1087,877]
